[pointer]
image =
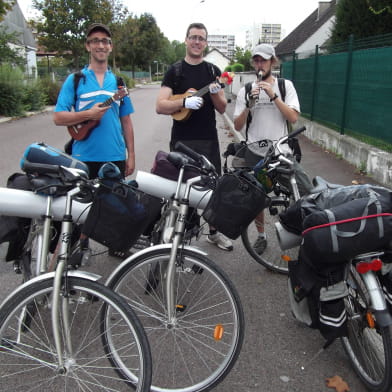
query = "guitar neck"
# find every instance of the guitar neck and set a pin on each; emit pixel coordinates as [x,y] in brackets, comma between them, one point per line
[202,91]
[108,102]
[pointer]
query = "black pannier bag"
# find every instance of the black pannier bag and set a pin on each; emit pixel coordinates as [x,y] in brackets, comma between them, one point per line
[293,217]
[236,201]
[119,214]
[14,230]
[339,233]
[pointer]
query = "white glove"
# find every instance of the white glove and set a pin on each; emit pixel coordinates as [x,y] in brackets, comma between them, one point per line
[215,88]
[193,103]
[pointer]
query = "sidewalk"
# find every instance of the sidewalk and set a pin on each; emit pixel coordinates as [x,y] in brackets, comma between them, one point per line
[27,114]
[315,160]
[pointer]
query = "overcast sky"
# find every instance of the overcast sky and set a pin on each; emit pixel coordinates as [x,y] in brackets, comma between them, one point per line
[232,18]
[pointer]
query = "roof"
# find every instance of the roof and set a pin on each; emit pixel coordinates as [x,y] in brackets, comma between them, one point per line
[15,22]
[305,30]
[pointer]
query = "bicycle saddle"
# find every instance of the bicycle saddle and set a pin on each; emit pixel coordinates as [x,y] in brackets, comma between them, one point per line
[320,184]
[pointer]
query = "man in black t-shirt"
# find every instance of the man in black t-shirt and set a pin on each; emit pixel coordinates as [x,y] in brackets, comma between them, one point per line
[194,122]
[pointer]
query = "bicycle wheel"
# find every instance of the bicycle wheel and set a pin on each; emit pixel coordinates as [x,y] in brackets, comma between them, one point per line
[273,257]
[102,327]
[197,351]
[368,345]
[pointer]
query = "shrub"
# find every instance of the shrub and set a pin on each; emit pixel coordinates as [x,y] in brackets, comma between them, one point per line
[237,67]
[51,88]
[11,91]
[34,96]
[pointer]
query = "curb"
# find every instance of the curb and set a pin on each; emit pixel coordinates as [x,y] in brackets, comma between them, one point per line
[27,114]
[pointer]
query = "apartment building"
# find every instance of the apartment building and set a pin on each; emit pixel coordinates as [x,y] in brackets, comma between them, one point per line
[224,43]
[270,33]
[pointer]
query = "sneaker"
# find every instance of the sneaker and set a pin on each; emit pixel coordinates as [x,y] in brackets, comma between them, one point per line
[220,241]
[260,245]
[120,254]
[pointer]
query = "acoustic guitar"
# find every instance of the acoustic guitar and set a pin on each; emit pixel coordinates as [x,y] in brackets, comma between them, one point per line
[183,114]
[82,131]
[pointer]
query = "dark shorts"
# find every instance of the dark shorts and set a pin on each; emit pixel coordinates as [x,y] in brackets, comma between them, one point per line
[94,167]
[209,148]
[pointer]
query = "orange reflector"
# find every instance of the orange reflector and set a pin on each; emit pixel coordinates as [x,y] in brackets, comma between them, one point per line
[374,265]
[218,332]
[370,320]
[286,258]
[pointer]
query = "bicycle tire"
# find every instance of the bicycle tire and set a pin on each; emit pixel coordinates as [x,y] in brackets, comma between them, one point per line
[368,347]
[185,356]
[273,258]
[27,350]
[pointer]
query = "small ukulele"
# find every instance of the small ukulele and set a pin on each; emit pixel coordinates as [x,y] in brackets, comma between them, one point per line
[82,131]
[183,114]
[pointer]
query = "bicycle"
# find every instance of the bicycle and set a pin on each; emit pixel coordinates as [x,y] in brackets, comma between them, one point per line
[63,329]
[359,285]
[187,304]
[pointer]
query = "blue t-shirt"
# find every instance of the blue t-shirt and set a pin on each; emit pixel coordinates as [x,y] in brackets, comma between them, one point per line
[106,141]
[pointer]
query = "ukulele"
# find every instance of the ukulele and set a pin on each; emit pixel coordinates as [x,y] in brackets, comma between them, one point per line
[183,114]
[82,131]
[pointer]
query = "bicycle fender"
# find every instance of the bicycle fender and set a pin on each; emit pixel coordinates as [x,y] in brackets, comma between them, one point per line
[150,249]
[50,275]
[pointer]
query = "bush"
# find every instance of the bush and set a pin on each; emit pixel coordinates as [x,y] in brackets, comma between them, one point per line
[11,91]
[237,67]
[51,88]
[34,96]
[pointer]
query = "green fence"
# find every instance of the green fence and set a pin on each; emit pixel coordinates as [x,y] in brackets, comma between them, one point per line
[348,90]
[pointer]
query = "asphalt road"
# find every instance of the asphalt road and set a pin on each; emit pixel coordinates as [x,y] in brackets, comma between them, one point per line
[279,355]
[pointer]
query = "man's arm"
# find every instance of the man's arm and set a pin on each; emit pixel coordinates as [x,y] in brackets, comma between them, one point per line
[127,127]
[71,118]
[164,105]
[219,101]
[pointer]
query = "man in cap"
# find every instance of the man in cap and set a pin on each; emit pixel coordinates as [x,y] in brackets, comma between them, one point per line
[112,140]
[270,114]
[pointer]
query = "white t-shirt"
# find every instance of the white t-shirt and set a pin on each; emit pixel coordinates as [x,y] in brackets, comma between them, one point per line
[267,120]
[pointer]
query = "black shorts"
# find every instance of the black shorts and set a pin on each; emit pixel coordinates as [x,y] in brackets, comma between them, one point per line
[94,167]
[209,148]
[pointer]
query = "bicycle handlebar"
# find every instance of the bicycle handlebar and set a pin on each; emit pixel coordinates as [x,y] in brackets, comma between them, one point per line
[204,162]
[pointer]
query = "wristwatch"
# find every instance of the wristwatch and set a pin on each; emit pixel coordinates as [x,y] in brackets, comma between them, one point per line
[274,97]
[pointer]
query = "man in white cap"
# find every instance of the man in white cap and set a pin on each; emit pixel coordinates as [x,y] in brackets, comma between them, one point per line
[270,113]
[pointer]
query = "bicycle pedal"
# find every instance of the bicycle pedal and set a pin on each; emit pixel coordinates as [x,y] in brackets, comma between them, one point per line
[17,268]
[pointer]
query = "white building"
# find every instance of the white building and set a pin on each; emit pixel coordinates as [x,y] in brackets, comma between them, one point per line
[224,43]
[270,33]
[14,22]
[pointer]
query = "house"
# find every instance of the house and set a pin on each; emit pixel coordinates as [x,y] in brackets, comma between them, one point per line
[14,22]
[216,57]
[314,30]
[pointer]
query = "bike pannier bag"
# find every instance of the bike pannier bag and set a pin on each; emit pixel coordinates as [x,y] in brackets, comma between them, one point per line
[339,233]
[119,214]
[42,153]
[236,201]
[164,168]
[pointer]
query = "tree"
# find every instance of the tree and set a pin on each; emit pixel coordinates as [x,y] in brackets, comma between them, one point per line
[244,57]
[140,42]
[7,54]
[64,23]
[356,17]
[5,6]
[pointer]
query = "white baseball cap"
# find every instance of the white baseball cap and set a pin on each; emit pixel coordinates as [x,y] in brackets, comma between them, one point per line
[266,51]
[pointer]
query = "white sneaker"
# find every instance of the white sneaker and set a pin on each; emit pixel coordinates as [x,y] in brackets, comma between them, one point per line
[220,241]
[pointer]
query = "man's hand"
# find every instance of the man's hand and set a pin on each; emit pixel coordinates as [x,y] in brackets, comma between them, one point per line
[193,103]
[215,88]
[97,111]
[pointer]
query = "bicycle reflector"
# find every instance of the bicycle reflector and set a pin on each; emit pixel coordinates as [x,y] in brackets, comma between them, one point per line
[365,266]
[262,176]
[218,332]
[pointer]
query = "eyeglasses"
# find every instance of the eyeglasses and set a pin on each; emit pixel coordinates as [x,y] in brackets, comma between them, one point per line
[97,41]
[195,38]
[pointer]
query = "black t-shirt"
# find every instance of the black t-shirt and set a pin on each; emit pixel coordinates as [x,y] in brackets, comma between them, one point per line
[201,125]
